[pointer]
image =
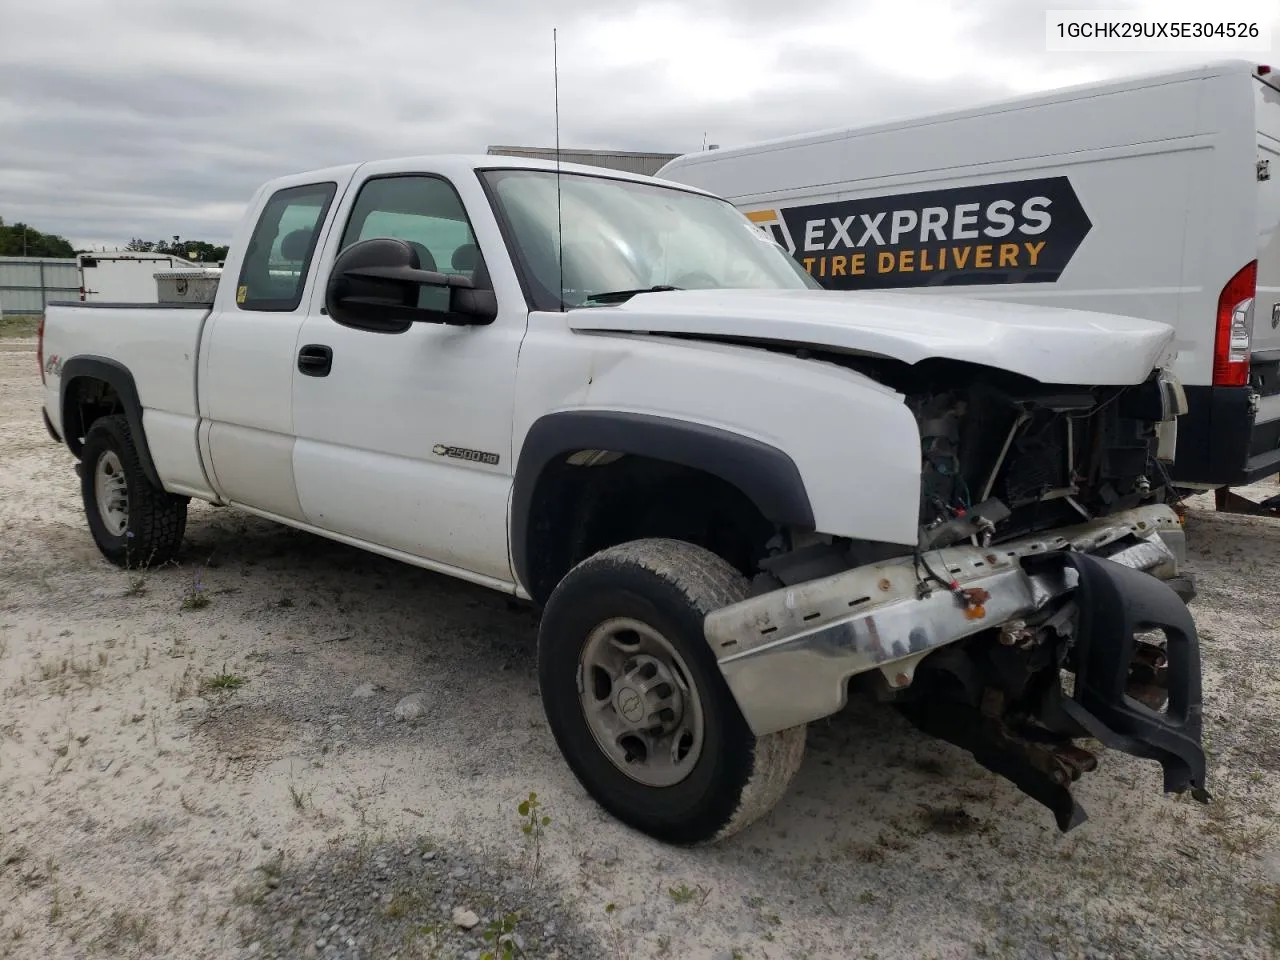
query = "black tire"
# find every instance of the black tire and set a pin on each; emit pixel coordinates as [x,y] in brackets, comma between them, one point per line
[156,520]
[670,586]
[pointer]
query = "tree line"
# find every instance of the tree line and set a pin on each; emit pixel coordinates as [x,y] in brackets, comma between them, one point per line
[23,240]
[20,240]
[197,250]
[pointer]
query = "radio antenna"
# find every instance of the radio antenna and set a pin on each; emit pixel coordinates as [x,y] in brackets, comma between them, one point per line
[555,73]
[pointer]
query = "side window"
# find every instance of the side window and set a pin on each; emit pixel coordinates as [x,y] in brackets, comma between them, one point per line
[280,250]
[424,210]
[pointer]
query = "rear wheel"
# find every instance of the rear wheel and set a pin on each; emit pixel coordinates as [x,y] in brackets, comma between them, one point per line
[133,522]
[636,701]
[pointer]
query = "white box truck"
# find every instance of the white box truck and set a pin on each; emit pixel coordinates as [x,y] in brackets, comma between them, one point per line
[1154,196]
[124,277]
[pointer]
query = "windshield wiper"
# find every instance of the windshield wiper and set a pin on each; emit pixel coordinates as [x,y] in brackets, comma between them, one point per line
[618,296]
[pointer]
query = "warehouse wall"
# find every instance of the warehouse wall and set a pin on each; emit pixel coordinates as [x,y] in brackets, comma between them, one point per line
[28,283]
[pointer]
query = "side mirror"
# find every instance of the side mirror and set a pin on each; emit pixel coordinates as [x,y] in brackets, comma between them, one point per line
[380,285]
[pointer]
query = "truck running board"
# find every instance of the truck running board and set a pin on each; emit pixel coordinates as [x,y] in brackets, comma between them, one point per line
[1119,683]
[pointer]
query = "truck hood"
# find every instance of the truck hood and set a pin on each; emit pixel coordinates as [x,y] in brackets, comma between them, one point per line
[1048,344]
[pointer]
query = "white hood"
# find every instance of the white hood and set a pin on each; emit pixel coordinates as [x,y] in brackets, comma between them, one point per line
[1049,344]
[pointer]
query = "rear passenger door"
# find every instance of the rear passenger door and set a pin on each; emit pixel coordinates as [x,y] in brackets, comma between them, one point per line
[249,345]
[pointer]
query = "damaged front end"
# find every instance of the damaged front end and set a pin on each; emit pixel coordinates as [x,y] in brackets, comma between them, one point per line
[1004,700]
[976,652]
[1044,603]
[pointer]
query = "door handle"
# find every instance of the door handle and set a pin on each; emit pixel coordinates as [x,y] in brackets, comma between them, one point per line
[315,360]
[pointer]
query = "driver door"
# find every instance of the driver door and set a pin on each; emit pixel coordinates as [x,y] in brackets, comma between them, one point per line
[404,439]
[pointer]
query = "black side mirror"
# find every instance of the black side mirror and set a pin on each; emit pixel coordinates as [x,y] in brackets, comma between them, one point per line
[380,285]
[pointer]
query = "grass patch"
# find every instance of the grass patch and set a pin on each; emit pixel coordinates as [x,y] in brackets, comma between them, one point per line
[19,328]
[52,669]
[1234,831]
[299,798]
[405,903]
[223,682]
[124,928]
[195,598]
[686,894]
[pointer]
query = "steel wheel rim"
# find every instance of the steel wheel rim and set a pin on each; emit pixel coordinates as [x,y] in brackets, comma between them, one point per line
[112,492]
[640,703]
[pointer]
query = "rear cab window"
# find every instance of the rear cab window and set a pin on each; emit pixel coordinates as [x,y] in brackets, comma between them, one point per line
[280,249]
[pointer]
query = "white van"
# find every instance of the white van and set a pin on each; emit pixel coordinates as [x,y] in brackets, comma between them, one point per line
[1155,196]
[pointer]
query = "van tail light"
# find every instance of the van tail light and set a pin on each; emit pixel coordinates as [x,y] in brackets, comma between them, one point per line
[40,347]
[1235,328]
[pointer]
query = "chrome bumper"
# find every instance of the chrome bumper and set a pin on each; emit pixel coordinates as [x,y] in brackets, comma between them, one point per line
[788,655]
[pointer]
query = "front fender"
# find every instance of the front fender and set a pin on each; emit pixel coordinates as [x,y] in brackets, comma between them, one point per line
[851,442]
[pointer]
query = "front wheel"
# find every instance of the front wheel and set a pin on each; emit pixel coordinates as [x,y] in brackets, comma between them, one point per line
[133,522]
[636,701]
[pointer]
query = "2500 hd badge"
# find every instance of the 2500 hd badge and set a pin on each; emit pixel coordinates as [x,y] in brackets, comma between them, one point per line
[462,453]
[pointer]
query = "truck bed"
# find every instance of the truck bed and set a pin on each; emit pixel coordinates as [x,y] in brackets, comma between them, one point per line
[163,341]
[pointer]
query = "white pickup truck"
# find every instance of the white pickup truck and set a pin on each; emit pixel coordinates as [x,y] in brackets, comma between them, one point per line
[736,498]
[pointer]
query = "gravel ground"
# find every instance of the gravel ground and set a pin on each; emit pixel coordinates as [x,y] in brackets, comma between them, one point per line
[286,747]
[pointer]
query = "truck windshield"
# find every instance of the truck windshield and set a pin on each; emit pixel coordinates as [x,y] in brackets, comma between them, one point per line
[622,238]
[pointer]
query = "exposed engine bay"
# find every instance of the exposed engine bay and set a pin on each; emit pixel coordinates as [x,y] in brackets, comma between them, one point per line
[1002,459]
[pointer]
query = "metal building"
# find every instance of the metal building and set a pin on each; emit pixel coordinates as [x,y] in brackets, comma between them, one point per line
[626,160]
[28,283]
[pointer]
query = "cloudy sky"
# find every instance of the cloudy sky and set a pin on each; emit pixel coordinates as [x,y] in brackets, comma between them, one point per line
[123,118]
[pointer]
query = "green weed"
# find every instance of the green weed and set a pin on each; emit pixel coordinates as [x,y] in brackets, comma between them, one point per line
[224,682]
[533,823]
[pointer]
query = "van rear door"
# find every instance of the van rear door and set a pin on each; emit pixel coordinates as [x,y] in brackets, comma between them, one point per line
[1266,324]
[1264,368]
